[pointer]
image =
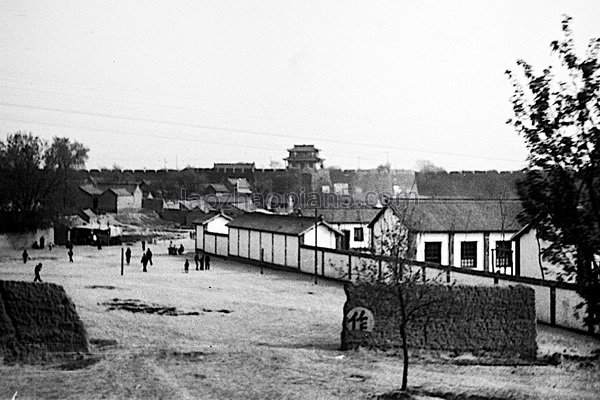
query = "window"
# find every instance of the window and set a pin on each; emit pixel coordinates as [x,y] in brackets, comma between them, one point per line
[433,252]
[503,254]
[359,235]
[468,254]
[326,189]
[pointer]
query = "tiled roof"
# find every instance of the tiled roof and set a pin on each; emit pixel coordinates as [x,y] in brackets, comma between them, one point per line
[120,192]
[91,189]
[460,215]
[284,224]
[208,216]
[343,215]
[469,185]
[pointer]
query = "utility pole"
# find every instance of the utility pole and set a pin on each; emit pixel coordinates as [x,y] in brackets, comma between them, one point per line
[316,230]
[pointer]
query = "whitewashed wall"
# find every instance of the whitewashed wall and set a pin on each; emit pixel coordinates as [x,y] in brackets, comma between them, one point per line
[433,237]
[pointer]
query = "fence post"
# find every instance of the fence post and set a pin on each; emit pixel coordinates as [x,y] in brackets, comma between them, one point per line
[350,267]
[380,272]
[122,263]
[552,305]
[424,272]
[262,257]
[322,262]
[448,274]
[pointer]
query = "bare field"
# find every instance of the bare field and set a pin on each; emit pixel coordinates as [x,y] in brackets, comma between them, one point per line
[232,333]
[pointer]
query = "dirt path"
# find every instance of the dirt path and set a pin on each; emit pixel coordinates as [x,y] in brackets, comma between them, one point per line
[279,340]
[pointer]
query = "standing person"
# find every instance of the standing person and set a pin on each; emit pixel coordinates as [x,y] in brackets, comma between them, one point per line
[25,256]
[181,249]
[149,256]
[144,262]
[128,255]
[202,263]
[70,253]
[186,266]
[143,245]
[196,260]
[42,243]
[207,262]
[36,271]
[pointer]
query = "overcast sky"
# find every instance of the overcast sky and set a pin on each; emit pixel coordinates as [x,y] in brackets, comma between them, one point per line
[149,84]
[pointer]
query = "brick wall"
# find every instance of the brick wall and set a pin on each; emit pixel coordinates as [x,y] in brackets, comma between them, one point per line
[461,318]
[36,318]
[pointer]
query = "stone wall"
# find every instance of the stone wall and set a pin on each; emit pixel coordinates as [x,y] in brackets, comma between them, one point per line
[460,318]
[38,318]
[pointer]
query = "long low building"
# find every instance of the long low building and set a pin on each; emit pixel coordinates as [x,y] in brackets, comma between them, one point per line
[276,237]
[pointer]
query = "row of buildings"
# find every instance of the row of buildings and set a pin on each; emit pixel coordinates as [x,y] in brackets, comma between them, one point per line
[472,234]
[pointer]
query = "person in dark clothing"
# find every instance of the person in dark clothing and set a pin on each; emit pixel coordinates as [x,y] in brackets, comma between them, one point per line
[143,245]
[196,260]
[25,256]
[36,271]
[42,243]
[207,262]
[70,253]
[186,266]
[149,256]
[202,263]
[181,249]
[128,255]
[144,263]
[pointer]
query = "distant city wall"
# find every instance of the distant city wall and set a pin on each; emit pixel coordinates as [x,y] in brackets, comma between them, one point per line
[461,318]
[38,318]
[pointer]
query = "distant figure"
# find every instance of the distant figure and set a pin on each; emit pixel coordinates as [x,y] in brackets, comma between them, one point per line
[70,253]
[144,263]
[36,271]
[143,245]
[196,260]
[35,245]
[149,256]
[186,266]
[99,245]
[25,256]
[128,255]
[170,244]
[181,249]
[202,263]
[207,262]
[42,242]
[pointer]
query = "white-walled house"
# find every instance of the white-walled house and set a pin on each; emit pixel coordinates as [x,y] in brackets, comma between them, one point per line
[528,259]
[212,233]
[353,223]
[278,237]
[474,234]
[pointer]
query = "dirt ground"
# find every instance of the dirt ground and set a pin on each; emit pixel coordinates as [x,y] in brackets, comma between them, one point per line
[232,333]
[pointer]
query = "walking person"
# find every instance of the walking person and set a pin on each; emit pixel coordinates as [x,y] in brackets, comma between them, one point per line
[186,266]
[196,260]
[128,255]
[36,271]
[149,256]
[25,256]
[144,263]
[70,253]
[143,245]
[207,262]
[202,263]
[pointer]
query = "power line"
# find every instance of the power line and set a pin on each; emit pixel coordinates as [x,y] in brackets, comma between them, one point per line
[245,131]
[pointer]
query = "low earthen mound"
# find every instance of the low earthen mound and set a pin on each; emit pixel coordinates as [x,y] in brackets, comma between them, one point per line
[38,320]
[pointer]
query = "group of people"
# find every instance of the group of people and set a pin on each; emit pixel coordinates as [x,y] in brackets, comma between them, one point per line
[146,259]
[202,263]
